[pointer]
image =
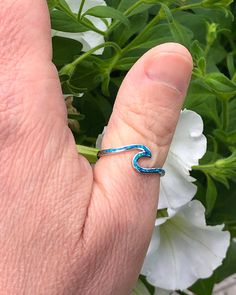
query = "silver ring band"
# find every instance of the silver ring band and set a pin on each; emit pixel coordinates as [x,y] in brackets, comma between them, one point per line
[144,152]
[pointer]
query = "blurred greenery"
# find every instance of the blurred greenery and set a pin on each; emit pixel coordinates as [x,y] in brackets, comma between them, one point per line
[208,29]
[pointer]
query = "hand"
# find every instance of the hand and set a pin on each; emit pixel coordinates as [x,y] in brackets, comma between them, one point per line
[66,228]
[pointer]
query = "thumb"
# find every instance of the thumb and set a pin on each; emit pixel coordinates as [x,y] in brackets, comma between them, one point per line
[146,112]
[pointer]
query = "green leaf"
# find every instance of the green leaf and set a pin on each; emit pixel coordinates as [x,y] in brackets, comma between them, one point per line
[158,34]
[87,75]
[222,170]
[113,3]
[122,33]
[197,51]
[203,101]
[178,31]
[228,267]
[126,5]
[230,64]
[97,111]
[228,138]
[107,12]
[211,195]
[61,21]
[216,3]
[51,4]
[229,264]
[201,63]
[203,287]
[65,50]
[195,22]
[140,289]
[224,210]
[232,115]
[63,5]
[125,64]
[220,84]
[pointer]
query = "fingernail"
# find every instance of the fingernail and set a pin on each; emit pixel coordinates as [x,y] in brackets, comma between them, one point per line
[171,68]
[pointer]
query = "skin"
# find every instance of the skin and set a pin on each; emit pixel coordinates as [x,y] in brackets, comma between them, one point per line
[66,228]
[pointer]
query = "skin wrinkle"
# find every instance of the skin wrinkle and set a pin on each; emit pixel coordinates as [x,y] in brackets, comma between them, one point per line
[11,33]
[169,53]
[10,108]
[123,228]
[156,156]
[145,112]
[16,36]
[54,199]
[96,260]
[142,128]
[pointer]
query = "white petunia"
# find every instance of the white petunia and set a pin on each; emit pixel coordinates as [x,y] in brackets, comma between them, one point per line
[184,249]
[99,139]
[89,39]
[187,147]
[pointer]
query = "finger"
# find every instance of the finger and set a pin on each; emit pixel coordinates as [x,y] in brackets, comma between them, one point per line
[33,116]
[146,112]
[26,73]
[25,31]
[31,95]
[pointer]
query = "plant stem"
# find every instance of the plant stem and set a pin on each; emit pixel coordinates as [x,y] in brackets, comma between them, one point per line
[69,68]
[91,51]
[87,25]
[89,153]
[152,23]
[133,7]
[186,7]
[81,9]
[126,13]
[67,11]
[203,167]
[92,27]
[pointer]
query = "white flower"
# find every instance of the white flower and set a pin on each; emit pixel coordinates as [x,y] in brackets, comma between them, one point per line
[184,249]
[99,139]
[188,146]
[89,39]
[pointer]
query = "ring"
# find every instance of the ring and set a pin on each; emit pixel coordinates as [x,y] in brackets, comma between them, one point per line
[144,152]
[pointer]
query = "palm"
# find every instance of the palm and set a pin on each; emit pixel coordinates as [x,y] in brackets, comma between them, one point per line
[70,224]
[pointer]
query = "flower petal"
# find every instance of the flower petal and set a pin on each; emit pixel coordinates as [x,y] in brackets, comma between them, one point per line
[189,144]
[89,39]
[75,4]
[99,139]
[92,39]
[175,189]
[188,249]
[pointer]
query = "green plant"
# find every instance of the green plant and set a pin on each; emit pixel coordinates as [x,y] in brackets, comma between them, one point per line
[206,28]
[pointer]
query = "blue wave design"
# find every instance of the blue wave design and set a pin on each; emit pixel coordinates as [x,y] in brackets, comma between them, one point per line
[145,152]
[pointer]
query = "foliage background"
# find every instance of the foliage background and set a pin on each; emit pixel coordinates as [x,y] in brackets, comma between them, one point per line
[208,29]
